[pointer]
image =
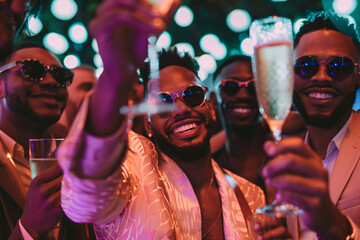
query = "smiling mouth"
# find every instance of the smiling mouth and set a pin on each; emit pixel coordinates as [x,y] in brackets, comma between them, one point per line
[320,95]
[242,110]
[185,128]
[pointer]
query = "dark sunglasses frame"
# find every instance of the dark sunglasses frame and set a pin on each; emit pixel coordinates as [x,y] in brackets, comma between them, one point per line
[239,84]
[333,69]
[180,94]
[63,81]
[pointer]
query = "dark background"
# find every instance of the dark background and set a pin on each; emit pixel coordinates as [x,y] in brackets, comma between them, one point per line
[209,17]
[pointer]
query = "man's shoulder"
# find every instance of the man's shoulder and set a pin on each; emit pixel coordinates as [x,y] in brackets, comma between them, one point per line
[244,184]
[140,144]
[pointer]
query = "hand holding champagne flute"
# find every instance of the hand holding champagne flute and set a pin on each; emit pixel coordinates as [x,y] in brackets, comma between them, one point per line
[272,66]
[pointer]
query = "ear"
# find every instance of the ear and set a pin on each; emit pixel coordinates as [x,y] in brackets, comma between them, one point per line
[147,127]
[2,87]
[211,110]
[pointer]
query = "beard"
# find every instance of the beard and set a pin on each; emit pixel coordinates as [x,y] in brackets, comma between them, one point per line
[188,153]
[236,126]
[325,121]
[17,105]
[5,52]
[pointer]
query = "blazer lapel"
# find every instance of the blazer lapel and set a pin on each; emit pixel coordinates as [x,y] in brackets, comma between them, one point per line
[10,180]
[347,159]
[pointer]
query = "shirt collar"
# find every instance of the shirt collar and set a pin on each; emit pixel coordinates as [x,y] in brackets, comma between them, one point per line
[8,142]
[339,137]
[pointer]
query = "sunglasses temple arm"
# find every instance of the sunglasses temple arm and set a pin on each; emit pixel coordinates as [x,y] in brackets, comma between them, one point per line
[7,67]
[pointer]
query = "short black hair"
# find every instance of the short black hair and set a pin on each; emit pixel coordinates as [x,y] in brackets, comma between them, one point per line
[328,20]
[230,60]
[20,46]
[169,57]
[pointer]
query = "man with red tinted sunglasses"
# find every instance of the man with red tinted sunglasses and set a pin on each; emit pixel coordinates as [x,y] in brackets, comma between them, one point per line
[322,174]
[128,187]
[245,131]
[239,112]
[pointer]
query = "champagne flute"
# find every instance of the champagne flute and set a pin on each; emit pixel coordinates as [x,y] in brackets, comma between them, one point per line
[42,156]
[274,81]
[164,9]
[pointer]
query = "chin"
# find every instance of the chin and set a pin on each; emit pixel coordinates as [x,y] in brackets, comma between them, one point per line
[190,151]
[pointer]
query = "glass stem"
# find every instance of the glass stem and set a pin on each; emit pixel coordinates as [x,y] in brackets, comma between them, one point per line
[277,135]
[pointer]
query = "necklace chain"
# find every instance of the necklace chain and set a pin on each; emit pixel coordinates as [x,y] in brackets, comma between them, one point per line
[208,191]
[204,204]
[217,219]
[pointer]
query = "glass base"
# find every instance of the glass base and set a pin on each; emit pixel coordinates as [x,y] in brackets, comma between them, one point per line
[280,209]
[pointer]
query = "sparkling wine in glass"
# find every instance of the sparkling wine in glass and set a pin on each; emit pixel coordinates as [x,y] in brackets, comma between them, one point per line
[42,154]
[164,10]
[274,81]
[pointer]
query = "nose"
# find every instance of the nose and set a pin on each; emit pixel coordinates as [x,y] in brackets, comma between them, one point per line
[321,74]
[49,82]
[181,107]
[243,92]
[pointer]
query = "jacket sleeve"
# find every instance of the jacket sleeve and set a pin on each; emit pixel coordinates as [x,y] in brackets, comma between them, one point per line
[94,200]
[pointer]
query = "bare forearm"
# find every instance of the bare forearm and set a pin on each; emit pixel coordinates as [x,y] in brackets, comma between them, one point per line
[104,117]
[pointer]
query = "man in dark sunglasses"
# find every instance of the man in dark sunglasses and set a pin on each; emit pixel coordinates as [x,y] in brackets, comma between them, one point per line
[33,96]
[322,174]
[238,109]
[130,188]
[13,17]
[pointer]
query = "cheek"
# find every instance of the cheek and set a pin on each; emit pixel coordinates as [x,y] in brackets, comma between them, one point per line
[158,125]
[298,84]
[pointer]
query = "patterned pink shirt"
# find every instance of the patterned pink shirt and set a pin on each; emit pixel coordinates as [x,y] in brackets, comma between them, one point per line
[144,197]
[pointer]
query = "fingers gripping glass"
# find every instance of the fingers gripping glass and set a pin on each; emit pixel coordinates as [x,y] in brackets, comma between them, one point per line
[231,87]
[193,96]
[338,68]
[35,71]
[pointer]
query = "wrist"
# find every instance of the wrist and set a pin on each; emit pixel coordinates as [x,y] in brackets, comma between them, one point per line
[340,229]
[28,229]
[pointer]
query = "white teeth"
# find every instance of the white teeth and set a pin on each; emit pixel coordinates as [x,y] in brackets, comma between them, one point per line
[184,128]
[321,96]
[242,110]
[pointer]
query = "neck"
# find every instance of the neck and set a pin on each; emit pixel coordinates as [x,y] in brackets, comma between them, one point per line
[197,170]
[242,137]
[321,137]
[244,152]
[22,129]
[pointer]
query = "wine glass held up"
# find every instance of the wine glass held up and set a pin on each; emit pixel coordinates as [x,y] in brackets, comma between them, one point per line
[274,81]
[165,10]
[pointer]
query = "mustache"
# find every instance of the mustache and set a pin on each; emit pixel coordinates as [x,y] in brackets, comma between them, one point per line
[320,85]
[241,100]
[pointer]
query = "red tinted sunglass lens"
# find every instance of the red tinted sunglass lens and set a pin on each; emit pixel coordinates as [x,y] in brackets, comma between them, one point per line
[194,96]
[306,67]
[230,87]
[251,87]
[340,68]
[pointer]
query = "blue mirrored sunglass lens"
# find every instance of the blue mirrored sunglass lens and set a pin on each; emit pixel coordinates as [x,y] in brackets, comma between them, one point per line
[194,96]
[165,98]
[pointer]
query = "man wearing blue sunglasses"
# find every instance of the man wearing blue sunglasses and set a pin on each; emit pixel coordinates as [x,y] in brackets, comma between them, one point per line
[322,174]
